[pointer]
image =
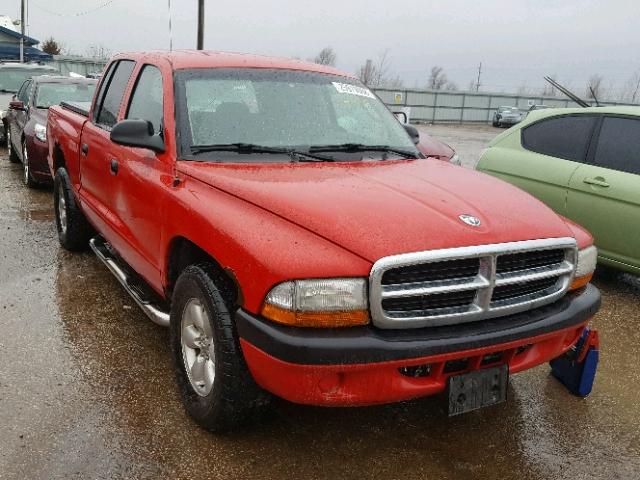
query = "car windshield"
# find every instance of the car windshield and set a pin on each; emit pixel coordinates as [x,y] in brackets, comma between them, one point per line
[282,109]
[53,93]
[12,78]
[509,110]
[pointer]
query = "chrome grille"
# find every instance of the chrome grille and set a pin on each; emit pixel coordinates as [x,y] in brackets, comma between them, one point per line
[456,285]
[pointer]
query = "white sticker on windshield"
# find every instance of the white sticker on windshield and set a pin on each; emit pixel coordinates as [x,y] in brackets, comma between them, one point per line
[353,90]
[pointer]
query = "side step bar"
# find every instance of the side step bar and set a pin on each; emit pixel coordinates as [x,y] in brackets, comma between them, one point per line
[102,249]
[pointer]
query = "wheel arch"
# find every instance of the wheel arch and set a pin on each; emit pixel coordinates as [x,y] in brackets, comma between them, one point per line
[182,253]
[58,159]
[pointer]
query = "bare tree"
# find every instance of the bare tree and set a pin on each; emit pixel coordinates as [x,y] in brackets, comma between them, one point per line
[595,88]
[377,73]
[327,56]
[52,47]
[630,91]
[437,78]
[98,51]
[368,73]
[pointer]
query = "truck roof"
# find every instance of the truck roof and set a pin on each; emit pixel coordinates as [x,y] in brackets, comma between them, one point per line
[183,59]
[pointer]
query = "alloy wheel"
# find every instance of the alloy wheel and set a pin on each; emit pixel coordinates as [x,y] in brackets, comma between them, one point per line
[62,211]
[25,164]
[198,355]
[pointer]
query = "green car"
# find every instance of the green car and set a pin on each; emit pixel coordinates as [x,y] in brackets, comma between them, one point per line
[585,164]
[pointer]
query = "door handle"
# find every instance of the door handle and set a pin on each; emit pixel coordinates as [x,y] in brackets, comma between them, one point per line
[114,166]
[597,181]
[84,149]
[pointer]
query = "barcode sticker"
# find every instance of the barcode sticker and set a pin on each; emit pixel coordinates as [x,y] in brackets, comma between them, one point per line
[353,90]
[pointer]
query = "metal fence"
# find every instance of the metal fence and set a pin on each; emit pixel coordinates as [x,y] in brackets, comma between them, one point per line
[441,106]
[81,65]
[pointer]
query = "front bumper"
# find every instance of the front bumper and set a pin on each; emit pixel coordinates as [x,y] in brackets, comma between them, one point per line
[366,366]
[38,164]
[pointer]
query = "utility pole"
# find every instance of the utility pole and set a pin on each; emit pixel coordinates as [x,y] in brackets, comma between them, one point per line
[200,24]
[479,73]
[22,31]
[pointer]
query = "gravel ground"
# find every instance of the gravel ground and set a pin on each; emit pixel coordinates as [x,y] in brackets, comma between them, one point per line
[87,388]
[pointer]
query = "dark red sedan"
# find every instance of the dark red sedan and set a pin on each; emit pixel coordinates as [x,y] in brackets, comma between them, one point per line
[27,120]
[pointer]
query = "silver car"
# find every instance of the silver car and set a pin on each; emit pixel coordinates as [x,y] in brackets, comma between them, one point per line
[12,76]
[507,116]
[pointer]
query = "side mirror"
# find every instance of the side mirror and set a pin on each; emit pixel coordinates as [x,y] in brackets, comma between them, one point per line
[16,105]
[413,133]
[402,117]
[137,133]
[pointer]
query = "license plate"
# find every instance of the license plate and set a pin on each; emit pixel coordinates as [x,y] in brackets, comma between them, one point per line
[478,389]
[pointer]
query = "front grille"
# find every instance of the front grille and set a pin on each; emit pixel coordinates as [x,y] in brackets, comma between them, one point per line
[428,272]
[444,287]
[525,260]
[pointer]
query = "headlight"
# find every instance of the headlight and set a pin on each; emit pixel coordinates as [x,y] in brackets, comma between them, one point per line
[587,260]
[339,302]
[40,132]
[455,160]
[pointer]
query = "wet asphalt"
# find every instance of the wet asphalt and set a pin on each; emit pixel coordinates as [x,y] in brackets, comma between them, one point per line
[87,389]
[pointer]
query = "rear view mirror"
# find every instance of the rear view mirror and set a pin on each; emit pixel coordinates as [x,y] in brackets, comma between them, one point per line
[137,133]
[413,133]
[16,105]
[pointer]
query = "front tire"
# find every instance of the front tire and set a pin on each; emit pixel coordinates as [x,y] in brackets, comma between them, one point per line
[26,168]
[74,231]
[13,156]
[215,384]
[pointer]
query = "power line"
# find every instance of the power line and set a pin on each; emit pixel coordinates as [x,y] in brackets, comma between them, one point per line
[77,14]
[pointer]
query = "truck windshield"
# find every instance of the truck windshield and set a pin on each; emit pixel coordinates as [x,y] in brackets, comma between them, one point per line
[53,93]
[219,109]
[12,78]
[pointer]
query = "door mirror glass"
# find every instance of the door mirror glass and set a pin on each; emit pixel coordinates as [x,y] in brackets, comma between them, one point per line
[413,133]
[137,133]
[16,105]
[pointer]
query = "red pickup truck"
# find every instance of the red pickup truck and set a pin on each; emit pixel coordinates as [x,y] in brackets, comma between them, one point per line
[281,222]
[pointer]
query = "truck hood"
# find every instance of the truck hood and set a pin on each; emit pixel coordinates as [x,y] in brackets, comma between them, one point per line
[376,209]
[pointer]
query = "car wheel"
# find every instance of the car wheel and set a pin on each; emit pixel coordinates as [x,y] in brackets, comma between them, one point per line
[13,156]
[215,384]
[26,175]
[74,231]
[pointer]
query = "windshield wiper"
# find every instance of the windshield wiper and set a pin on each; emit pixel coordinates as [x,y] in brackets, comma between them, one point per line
[360,147]
[249,148]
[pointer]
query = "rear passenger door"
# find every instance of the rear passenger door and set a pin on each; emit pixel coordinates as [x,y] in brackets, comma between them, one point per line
[97,151]
[550,152]
[604,196]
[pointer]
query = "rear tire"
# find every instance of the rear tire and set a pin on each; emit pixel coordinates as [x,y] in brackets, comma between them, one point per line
[74,231]
[13,156]
[216,387]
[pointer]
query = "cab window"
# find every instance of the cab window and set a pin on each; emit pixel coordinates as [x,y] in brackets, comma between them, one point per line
[107,113]
[147,99]
[564,137]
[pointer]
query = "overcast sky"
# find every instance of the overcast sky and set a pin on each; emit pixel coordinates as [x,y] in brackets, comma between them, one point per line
[518,41]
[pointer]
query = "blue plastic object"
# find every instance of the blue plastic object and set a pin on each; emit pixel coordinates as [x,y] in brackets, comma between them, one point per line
[576,369]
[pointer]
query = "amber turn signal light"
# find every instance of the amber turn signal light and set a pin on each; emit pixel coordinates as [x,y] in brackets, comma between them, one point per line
[315,319]
[580,281]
